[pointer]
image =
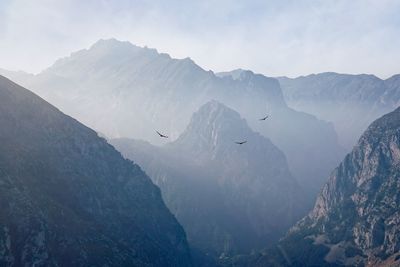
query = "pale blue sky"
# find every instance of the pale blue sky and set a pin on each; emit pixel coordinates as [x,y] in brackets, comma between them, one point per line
[277,37]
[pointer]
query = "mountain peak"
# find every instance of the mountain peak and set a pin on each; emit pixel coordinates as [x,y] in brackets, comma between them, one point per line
[213,124]
[237,74]
[214,108]
[205,171]
[113,44]
[213,133]
[255,83]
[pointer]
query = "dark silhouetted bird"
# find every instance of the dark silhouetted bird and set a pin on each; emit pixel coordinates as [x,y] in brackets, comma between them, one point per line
[161,135]
[263,119]
[241,143]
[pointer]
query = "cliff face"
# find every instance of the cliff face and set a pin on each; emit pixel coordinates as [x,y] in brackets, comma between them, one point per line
[70,199]
[230,198]
[355,221]
[366,188]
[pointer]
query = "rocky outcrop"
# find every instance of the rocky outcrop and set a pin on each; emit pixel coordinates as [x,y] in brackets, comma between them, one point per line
[355,221]
[70,199]
[230,198]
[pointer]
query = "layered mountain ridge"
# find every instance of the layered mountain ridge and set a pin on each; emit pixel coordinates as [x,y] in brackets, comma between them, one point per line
[355,221]
[351,102]
[69,198]
[230,198]
[136,90]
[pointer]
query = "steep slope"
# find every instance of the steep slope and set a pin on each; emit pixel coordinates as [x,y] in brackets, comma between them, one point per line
[69,199]
[296,133]
[392,93]
[135,90]
[356,219]
[230,198]
[334,97]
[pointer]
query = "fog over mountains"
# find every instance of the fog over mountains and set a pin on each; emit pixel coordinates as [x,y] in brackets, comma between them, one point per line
[69,198]
[351,102]
[238,191]
[355,221]
[230,198]
[122,90]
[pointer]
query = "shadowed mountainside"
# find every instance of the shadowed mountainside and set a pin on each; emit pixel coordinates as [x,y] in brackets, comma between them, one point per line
[355,221]
[69,199]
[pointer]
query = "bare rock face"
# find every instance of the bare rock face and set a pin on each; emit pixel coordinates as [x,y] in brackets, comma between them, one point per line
[230,198]
[368,183]
[355,221]
[69,199]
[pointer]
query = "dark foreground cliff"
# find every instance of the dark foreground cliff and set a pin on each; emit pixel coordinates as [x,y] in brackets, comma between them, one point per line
[67,198]
[356,218]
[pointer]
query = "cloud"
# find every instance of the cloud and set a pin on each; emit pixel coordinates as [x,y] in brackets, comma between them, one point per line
[271,37]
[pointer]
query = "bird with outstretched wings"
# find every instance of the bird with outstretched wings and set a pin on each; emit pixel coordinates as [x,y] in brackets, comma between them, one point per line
[263,119]
[241,142]
[161,135]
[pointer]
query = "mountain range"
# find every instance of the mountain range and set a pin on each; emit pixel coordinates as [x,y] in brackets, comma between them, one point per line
[230,198]
[68,198]
[137,90]
[350,102]
[239,186]
[355,220]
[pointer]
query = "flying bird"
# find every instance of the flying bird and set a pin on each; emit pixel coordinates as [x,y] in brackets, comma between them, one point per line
[241,143]
[263,119]
[161,135]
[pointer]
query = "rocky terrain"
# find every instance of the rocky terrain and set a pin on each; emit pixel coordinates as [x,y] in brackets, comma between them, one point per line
[68,198]
[356,219]
[230,198]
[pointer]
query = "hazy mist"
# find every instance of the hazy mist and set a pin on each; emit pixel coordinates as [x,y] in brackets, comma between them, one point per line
[271,37]
[179,133]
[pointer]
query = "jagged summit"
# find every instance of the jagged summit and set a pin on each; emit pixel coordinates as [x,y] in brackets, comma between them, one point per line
[117,58]
[245,75]
[215,122]
[246,193]
[213,132]
[112,43]
[136,90]
[235,74]
[214,112]
[256,84]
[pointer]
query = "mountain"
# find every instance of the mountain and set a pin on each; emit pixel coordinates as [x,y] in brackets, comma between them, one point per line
[230,198]
[356,219]
[136,90]
[351,102]
[68,198]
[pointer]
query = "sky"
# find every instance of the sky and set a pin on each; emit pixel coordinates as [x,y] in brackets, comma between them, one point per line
[275,37]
